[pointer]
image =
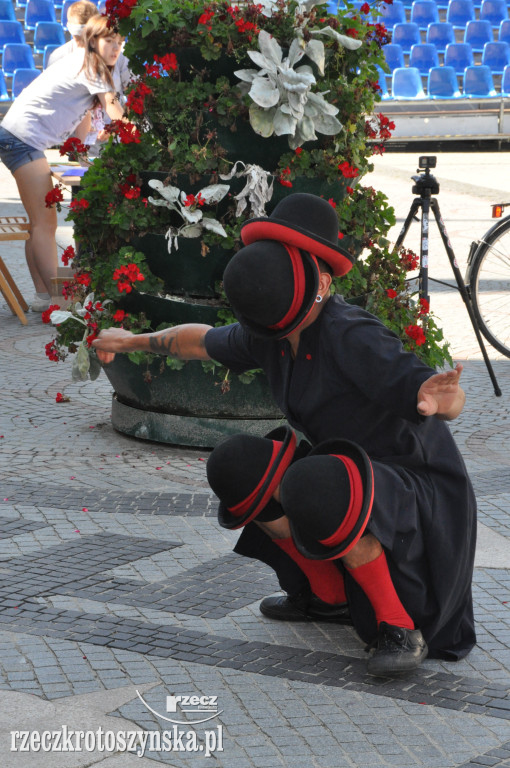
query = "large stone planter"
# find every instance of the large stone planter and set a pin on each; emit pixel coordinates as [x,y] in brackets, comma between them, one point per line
[187,406]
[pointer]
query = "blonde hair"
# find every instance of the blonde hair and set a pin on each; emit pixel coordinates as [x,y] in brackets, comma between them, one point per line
[93,64]
[81,11]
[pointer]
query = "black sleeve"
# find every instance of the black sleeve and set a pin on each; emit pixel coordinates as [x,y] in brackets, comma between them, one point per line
[231,346]
[373,358]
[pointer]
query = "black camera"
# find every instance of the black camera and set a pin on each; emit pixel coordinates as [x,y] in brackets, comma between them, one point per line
[427,161]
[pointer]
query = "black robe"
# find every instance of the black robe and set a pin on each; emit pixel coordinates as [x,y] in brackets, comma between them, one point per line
[351,379]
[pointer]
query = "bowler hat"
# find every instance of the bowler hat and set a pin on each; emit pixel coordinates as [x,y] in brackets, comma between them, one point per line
[306,221]
[244,472]
[328,497]
[271,287]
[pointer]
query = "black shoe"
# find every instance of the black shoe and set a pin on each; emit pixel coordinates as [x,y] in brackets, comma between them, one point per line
[397,650]
[304,607]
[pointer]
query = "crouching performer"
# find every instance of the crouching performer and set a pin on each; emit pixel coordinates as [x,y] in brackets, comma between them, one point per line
[377,523]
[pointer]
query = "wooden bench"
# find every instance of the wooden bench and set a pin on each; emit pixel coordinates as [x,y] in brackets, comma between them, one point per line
[13,228]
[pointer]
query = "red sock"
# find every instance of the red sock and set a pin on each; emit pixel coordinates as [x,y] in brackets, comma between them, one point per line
[325,579]
[375,580]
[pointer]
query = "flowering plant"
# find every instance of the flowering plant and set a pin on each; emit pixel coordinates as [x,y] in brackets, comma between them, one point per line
[210,141]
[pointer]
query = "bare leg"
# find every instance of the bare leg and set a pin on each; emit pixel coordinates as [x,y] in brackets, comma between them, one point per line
[368,548]
[34,182]
[276,529]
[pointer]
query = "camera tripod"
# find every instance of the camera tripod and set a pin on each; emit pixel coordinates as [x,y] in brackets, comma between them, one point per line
[425,186]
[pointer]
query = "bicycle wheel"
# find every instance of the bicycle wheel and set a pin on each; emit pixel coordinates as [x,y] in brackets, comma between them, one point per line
[489,281]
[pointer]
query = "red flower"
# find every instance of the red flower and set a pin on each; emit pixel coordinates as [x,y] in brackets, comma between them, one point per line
[347,171]
[136,98]
[424,307]
[83,279]
[298,150]
[73,146]
[332,202]
[351,32]
[409,260]
[192,201]
[152,70]
[119,316]
[126,276]
[68,255]
[54,197]
[391,293]
[51,351]
[206,17]
[168,62]
[118,9]
[349,190]
[365,8]
[284,177]
[45,316]
[127,132]
[79,205]
[60,398]
[129,192]
[415,332]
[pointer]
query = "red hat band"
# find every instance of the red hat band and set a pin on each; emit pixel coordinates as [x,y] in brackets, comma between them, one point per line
[244,506]
[354,509]
[298,270]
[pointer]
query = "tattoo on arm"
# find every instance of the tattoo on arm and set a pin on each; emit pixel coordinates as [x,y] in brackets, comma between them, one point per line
[168,344]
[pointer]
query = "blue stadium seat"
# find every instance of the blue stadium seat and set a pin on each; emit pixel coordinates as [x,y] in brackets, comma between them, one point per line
[48,33]
[442,83]
[441,34]
[393,14]
[494,11]
[460,12]
[504,31]
[406,35]
[11,32]
[423,57]
[406,84]
[7,12]
[39,10]
[505,82]
[21,3]
[394,55]
[478,82]
[17,56]
[47,53]
[424,12]
[4,95]
[477,34]
[459,56]
[383,93]
[22,78]
[496,56]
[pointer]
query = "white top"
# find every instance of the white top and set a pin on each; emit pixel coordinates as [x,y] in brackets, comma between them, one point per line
[49,109]
[121,73]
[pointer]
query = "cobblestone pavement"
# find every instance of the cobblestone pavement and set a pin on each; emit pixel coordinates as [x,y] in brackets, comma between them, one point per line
[119,590]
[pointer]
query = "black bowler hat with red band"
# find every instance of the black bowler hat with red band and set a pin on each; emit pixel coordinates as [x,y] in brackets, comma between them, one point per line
[244,472]
[271,287]
[307,222]
[328,498]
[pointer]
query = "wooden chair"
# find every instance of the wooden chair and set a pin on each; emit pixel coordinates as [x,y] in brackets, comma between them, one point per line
[13,228]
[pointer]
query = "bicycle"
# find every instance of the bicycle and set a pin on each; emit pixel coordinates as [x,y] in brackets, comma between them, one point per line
[486,290]
[488,281]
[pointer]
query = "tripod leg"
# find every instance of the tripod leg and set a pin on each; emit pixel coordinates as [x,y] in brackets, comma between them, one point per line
[424,249]
[463,292]
[415,205]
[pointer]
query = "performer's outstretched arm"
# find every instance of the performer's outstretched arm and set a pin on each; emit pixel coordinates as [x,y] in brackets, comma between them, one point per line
[185,342]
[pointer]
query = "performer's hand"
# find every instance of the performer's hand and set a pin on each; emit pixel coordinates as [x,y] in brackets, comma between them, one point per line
[441,395]
[110,341]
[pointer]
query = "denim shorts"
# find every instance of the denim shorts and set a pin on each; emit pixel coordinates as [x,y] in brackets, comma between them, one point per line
[14,153]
